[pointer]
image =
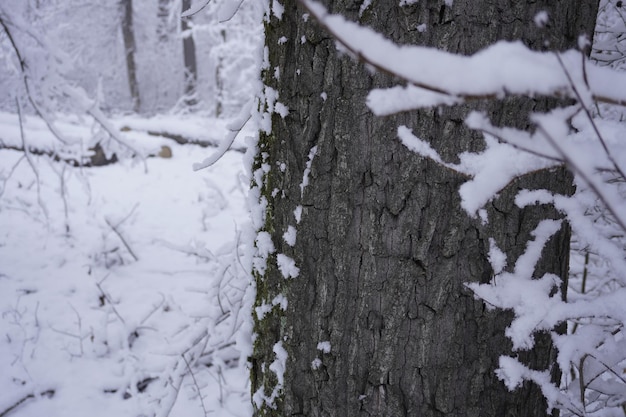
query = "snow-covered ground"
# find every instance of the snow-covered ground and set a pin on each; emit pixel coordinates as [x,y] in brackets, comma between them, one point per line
[116,281]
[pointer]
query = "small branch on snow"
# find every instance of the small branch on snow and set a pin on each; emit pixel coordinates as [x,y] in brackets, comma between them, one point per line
[106,296]
[119,234]
[11,171]
[48,393]
[195,382]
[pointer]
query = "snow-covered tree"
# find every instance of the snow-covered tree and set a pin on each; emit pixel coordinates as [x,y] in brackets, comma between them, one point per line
[369,257]
[130,51]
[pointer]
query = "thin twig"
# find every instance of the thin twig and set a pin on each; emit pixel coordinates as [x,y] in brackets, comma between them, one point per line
[106,296]
[519,146]
[584,176]
[589,116]
[29,158]
[119,235]
[48,393]
[11,171]
[195,382]
[156,307]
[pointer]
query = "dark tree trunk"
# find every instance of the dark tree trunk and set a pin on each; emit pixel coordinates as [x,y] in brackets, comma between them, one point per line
[130,48]
[383,246]
[189,57]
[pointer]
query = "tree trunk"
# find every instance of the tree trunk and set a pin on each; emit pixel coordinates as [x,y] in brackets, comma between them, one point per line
[130,48]
[163,25]
[189,56]
[383,247]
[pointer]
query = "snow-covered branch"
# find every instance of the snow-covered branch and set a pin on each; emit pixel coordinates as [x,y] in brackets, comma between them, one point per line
[438,78]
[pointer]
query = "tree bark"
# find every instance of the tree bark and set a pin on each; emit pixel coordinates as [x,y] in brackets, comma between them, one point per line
[130,48]
[383,246]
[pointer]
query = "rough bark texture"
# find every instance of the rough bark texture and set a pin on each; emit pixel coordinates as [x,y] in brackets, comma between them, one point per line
[128,35]
[383,247]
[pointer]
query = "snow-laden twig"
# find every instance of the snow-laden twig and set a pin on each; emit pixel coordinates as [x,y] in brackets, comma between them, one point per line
[235,128]
[580,165]
[583,102]
[519,70]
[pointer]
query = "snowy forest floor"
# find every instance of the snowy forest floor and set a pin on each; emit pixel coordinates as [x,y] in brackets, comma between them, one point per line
[106,276]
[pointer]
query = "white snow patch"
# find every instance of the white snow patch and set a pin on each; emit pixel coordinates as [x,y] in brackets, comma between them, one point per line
[280,300]
[278,9]
[262,310]
[541,19]
[278,366]
[290,236]
[324,346]
[497,258]
[307,170]
[282,40]
[364,6]
[264,244]
[297,213]
[281,109]
[287,266]
[484,216]
[417,145]
[316,364]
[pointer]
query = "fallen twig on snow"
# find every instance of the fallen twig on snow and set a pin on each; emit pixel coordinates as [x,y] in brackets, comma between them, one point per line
[48,393]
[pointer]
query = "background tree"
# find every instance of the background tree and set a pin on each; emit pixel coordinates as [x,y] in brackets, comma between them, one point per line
[364,248]
[189,55]
[164,24]
[130,49]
